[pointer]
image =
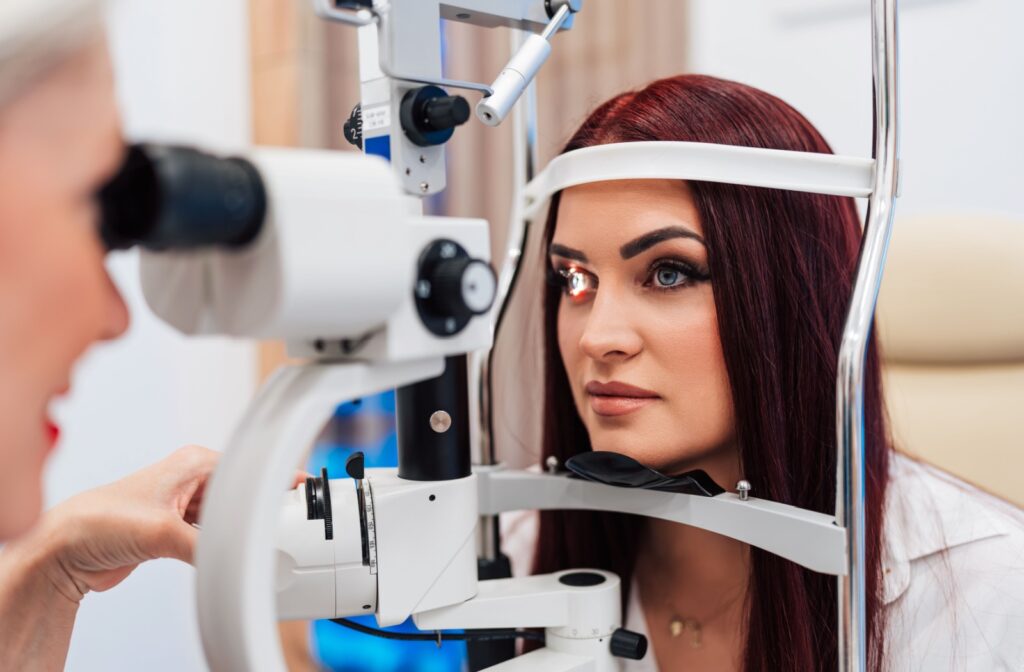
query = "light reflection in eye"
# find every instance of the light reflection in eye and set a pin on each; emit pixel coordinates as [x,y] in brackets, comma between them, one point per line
[578,284]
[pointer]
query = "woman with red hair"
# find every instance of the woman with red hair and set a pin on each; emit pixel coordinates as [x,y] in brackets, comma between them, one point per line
[696,325]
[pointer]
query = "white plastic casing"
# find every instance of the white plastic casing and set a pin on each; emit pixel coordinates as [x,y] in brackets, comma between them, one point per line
[509,85]
[426,548]
[316,577]
[331,261]
[433,521]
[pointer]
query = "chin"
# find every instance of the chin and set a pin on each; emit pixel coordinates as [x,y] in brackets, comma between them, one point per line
[670,459]
[632,445]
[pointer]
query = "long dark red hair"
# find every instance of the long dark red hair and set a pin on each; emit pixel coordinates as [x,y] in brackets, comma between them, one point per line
[782,265]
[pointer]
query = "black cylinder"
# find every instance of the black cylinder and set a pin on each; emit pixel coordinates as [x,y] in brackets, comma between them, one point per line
[628,644]
[180,198]
[425,453]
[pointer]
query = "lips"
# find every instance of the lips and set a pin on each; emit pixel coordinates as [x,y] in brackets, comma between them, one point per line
[615,398]
[50,428]
[52,431]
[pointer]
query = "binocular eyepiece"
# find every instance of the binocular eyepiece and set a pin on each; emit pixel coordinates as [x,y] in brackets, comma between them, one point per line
[178,198]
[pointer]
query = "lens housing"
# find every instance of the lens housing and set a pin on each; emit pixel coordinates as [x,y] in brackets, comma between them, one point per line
[178,198]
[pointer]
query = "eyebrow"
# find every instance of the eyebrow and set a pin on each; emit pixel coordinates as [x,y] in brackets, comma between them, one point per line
[649,240]
[567,252]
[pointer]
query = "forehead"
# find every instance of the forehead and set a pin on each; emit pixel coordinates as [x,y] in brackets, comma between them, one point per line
[620,210]
[66,127]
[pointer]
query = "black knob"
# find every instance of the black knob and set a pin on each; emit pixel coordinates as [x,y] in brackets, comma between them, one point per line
[318,502]
[452,287]
[429,115]
[463,286]
[354,127]
[628,644]
[355,466]
[445,112]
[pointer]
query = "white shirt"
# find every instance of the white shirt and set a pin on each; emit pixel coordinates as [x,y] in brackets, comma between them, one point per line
[953,575]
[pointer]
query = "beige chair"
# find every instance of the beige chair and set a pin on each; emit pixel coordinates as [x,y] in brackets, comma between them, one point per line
[951,321]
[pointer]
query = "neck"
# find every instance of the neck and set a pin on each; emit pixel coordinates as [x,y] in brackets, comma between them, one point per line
[683,565]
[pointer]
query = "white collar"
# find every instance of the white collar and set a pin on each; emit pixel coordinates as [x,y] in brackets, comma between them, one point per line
[929,512]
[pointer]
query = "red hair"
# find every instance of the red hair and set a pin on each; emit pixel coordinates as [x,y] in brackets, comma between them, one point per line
[783,266]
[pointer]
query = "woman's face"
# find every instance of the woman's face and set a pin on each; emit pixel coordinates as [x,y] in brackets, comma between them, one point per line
[637,327]
[59,142]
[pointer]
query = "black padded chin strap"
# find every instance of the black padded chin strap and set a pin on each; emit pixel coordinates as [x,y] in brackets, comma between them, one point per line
[625,472]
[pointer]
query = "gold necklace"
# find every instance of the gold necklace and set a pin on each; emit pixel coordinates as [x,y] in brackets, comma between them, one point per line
[677,625]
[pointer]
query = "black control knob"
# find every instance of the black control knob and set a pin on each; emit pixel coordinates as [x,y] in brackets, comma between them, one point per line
[445,112]
[429,115]
[355,466]
[628,644]
[318,502]
[463,285]
[354,127]
[452,287]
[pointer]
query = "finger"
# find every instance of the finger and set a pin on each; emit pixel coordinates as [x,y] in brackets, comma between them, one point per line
[190,468]
[180,542]
[190,462]
[300,478]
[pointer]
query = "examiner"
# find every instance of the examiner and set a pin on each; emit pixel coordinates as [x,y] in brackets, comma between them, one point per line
[60,140]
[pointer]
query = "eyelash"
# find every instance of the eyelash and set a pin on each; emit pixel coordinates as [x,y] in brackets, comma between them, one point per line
[563,276]
[693,275]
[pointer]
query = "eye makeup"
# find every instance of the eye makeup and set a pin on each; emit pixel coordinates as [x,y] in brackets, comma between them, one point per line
[667,273]
[671,273]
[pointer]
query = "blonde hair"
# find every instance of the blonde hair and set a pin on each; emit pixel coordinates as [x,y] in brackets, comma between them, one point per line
[36,35]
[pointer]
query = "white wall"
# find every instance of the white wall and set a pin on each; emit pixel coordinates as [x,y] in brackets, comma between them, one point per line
[183,75]
[962,77]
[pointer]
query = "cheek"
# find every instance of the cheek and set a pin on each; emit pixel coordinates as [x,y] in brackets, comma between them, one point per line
[687,348]
[571,322]
[54,297]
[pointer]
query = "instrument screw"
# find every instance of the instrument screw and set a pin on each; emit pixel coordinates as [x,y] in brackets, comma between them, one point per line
[440,421]
[743,487]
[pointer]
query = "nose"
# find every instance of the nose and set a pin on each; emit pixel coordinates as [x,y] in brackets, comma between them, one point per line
[116,319]
[608,335]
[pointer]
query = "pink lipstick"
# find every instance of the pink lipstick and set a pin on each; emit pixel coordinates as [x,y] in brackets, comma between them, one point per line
[615,398]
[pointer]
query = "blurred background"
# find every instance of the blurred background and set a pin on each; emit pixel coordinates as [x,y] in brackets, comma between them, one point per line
[229,73]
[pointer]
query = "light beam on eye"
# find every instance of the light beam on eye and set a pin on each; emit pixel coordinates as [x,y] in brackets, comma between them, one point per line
[577,283]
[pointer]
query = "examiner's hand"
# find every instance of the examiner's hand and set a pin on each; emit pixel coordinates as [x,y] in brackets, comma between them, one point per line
[100,536]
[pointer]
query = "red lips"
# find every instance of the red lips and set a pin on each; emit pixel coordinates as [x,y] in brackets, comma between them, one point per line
[615,398]
[52,431]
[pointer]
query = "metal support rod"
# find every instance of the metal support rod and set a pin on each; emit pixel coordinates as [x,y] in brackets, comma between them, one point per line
[524,167]
[557,21]
[850,477]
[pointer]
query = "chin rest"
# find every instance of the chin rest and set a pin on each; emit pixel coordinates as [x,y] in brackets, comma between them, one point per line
[625,472]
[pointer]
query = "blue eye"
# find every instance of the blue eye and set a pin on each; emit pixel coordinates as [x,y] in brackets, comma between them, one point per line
[669,277]
[669,274]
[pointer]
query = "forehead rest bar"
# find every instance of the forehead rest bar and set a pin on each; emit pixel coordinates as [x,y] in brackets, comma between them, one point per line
[700,161]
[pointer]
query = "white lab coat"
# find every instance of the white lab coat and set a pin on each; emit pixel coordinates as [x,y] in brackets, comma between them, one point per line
[954,575]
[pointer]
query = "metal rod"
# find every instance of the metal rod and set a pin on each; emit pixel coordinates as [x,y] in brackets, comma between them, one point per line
[524,167]
[556,22]
[850,479]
